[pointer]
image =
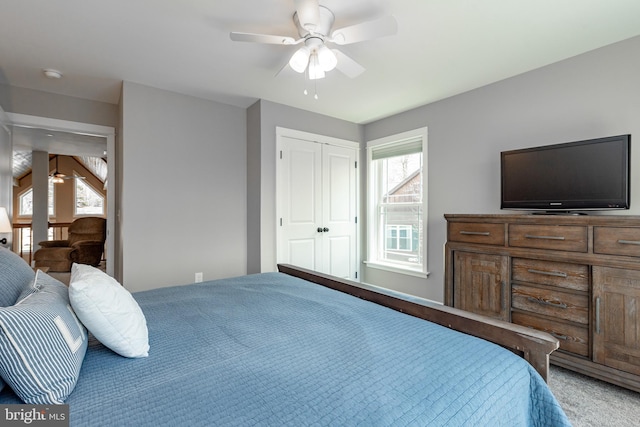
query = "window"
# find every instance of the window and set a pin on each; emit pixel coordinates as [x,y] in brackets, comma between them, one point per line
[399,238]
[88,200]
[25,201]
[397,210]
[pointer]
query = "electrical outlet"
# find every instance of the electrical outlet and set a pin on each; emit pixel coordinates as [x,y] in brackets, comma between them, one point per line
[199,277]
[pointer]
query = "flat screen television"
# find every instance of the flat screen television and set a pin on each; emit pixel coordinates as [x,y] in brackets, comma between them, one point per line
[583,175]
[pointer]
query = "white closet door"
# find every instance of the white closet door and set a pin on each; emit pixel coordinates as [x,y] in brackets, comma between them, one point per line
[300,187]
[339,211]
[317,203]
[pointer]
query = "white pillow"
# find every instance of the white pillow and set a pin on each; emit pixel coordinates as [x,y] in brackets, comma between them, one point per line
[108,311]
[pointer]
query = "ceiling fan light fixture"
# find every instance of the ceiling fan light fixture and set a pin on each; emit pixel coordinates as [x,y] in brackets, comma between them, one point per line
[300,59]
[57,177]
[315,69]
[327,59]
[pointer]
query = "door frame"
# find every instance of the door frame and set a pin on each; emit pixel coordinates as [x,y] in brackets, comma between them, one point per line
[107,132]
[282,132]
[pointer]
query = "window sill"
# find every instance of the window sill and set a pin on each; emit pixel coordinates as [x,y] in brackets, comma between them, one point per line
[396,269]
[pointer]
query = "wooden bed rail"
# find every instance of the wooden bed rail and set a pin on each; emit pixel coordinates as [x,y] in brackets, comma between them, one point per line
[533,345]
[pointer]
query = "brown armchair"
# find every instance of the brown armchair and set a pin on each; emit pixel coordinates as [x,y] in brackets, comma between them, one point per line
[84,245]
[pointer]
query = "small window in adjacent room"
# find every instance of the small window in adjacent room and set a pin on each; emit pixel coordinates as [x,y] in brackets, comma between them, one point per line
[397,197]
[25,201]
[88,200]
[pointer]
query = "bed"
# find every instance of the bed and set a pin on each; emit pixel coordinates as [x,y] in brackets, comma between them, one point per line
[300,348]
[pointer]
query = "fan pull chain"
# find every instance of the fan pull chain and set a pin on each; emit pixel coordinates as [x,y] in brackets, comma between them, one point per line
[315,88]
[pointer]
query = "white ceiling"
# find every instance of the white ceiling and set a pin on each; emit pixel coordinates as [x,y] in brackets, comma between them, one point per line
[443,47]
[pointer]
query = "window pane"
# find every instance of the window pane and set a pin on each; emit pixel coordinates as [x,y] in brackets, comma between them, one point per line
[404,242]
[26,203]
[391,237]
[51,197]
[400,209]
[88,201]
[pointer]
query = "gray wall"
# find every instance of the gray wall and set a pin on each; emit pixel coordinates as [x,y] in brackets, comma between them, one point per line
[44,104]
[592,95]
[6,183]
[224,225]
[254,159]
[183,203]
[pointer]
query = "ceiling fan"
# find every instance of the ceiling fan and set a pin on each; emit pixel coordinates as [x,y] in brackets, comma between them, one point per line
[58,177]
[314,23]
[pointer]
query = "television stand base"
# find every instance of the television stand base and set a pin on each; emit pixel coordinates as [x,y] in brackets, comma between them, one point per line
[559,213]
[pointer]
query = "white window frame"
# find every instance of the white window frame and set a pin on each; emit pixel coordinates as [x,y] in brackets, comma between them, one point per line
[372,215]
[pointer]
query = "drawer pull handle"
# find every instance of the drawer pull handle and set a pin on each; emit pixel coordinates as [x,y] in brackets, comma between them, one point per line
[531,236]
[549,273]
[560,336]
[551,303]
[475,233]
[598,315]
[629,242]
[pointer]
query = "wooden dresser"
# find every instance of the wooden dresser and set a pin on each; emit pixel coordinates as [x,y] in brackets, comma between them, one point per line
[576,277]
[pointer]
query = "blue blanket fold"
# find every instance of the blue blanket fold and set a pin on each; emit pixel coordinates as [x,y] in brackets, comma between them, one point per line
[273,350]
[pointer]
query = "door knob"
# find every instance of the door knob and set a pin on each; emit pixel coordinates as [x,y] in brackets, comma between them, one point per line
[319,229]
[325,229]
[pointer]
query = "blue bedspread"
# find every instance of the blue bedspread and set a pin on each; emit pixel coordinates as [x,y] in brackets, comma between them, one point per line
[273,350]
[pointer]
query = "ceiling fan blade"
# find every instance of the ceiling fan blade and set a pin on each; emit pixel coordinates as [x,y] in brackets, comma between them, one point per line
[347,65]
[386,26]
[308,13]
[262,38]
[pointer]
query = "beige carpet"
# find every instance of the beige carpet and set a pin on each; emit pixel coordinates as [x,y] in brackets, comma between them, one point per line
[590,402]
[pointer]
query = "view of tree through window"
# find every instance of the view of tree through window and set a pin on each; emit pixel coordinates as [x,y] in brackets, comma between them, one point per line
[26,201]
[88,200]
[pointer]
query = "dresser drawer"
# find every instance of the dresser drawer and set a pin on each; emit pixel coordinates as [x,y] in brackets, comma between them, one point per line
[551,302]
[616,241]
[477,232]
[572,338]
[571,238]
[560,274]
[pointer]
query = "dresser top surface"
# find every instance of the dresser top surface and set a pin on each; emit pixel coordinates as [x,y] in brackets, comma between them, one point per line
[549,219]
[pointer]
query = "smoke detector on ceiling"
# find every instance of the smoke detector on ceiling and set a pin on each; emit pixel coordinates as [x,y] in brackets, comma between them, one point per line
[52,74]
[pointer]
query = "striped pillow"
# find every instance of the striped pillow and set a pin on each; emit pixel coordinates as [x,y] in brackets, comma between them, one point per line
[15,275]
[42,343]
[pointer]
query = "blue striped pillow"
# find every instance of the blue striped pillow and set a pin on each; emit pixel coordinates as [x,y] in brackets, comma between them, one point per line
[42,343]
[16,274]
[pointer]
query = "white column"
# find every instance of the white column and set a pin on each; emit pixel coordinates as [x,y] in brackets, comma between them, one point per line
[40,217]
